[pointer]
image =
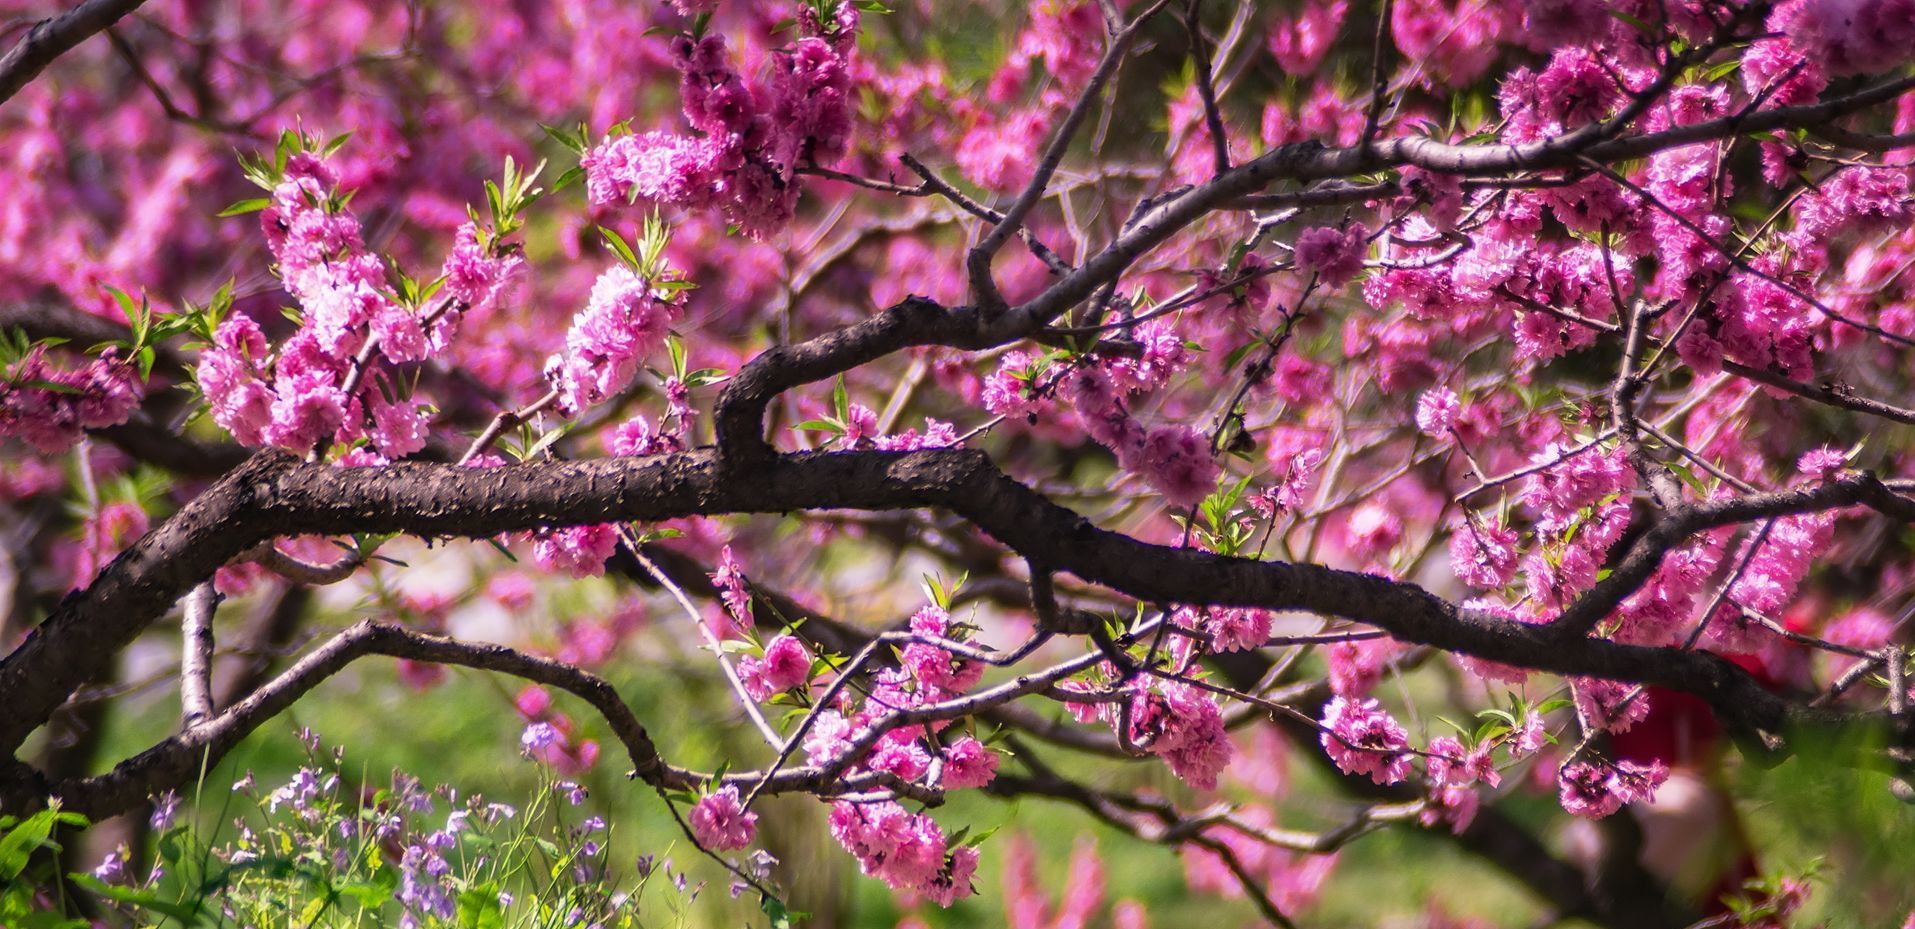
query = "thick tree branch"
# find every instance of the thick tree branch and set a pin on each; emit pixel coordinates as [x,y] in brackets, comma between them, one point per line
[50,38]
[274,495]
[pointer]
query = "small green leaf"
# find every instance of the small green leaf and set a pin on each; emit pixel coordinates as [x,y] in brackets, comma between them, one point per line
[243,207]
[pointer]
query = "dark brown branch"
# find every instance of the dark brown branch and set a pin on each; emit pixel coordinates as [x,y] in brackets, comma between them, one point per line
[50,38]
[275,495]
[1207,86]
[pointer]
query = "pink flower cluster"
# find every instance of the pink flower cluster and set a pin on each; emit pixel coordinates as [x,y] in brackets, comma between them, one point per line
[1362,738]
[1482,555]
[580,551]
[1027,897]
[1174,459]
[1454,773]
[1300,42]
[904,849]
[786,665]
[296,398]
[720,823]
[1334,255]
[625,320]
[1231,629]
[753,135]
[1595,789]
[1182,725]
[1774,569]
[1852,36]
[49,407]
[1293,880]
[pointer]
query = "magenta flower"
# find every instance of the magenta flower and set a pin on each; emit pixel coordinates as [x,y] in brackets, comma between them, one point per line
[1436,412]
[1363,739]
[1335,256]
[968,763]
[720,823]
[1481,555]
[1236,629]
[580,551]
[787,663]
[1176,461]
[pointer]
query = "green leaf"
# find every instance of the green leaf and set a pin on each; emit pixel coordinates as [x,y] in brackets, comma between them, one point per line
[243,207]
[139,899]
[18,845]
[336,143]
[479,908]
[780,916]
[620,247]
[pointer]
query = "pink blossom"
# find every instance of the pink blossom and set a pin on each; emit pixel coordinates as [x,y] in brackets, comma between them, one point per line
[902,849]
[1363,739]
[1572,480]
[622,323]
[1851,36]
[1357,664]
[732,587]
[1236,629]
[1299,472]
[1183,726]
[1373,530]
[787,663]
[952,882]
[720,822]
[474,277]
[1451,765]
[1596,789]
[1549,23]
[968,763]
[1334,255]
[1001,155]
[938,668]
[1452,44]
[533,701]
[1822,463]
[1576,88]
[1611,705]
[1436,412]
[511,590]
[1300,42]
[1300,380]
[1481,555]
[580,551]
[1176,461]
[638,438]
[1441,193]
[1451,805]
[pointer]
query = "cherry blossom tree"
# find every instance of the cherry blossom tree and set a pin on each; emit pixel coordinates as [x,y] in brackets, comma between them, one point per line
[1248,385]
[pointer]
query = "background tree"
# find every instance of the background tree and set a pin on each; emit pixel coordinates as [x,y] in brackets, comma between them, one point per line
[1240,380]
